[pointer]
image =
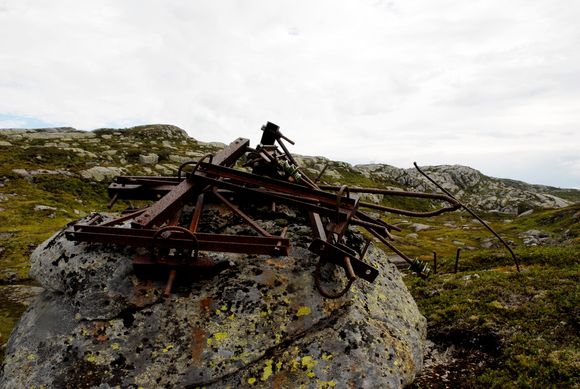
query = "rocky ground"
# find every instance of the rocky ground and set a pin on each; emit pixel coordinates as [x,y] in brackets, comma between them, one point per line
[260,322]
[51,177]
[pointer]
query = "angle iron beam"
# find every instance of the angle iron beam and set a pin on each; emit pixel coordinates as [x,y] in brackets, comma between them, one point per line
[283,187]
[207,242]
[173,200]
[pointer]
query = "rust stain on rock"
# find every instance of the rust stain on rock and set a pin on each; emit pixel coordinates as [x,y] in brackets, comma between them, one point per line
[198,341]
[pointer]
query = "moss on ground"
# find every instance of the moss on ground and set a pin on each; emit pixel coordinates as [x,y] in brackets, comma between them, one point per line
[533,314]
[532,317]
[10,311]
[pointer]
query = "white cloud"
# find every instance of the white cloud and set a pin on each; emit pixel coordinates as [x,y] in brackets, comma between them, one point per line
[447,82]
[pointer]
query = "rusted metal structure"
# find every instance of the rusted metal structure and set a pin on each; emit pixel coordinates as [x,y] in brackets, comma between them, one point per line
[177,246]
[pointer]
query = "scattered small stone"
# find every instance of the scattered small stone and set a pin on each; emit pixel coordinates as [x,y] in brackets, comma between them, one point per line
[148,159]
[526,213]
[458,243]
[419,227]
[535,237]
[470,277]
[38,208]
[21,172]
[99,173]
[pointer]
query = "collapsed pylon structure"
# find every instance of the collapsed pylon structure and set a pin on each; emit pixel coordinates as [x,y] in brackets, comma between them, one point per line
[177,245]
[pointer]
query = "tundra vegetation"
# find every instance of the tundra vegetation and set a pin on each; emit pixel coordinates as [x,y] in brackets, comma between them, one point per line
[488,324]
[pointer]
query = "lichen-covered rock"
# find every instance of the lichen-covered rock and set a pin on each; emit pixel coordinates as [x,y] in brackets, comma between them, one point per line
[259,322]
[469,185]
[99,173]
[148,159]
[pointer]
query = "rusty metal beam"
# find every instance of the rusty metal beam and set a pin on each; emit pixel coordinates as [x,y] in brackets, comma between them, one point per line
[207,242]
[173,200]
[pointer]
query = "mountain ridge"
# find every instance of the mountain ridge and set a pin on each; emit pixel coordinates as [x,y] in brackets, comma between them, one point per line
[161,148]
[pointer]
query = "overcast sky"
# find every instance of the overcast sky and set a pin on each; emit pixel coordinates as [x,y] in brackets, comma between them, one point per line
[491,84]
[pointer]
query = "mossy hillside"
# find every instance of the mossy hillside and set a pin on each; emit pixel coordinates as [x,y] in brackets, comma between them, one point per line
[71,196]
[532,316]
[54,182]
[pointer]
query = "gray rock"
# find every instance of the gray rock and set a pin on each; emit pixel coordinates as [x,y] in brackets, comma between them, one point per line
[21,172]
[217,145]
[163,170]
[259,322]
[482,192]
[419,227]
[100,173]
[41,207]
[179,159]
[535,237]
[5,144]
[526,213]
[148,159]
[28,174]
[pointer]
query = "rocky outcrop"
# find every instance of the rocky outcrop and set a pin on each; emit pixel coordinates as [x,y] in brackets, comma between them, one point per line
[260,322]
[100,173]
[142,149]
[470,185]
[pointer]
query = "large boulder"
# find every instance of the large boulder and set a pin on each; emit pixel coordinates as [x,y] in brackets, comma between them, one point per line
[259,322]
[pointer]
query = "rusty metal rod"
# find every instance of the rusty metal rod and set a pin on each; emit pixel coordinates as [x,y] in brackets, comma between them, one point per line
[409,213]
[320,176]
[196,217]
[391,246]
[363,216]
[434,262]
[241,214]
[389,192]
[457,260]
[472,213]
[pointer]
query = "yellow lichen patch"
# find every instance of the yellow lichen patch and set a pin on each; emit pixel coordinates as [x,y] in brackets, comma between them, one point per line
[91,358]
[31,357]
[309,363]
[115,346]
[295,364]
[167,348]
[327,357]
[279,365]
[278,338]
[326,384]
[224,308]
[303,311]
[251,380]
[218,336]
[267,370]
[231,317]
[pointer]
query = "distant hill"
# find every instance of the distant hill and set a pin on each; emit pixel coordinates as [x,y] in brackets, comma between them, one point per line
[160,149]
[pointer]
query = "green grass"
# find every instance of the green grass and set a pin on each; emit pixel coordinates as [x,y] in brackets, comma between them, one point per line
[533,314]
[531,318]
